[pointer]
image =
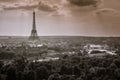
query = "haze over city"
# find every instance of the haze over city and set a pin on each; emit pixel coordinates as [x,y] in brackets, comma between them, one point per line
[60,18]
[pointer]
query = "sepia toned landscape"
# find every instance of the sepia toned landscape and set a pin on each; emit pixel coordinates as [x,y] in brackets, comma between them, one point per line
[59,40]
[59,58]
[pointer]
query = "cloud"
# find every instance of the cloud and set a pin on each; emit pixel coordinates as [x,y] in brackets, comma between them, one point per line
[46,6]
[52,7]
[8,0]
[57,7]
[108,7]
[41,5]
[61,12]
[83,2]
[27,4]
[108,11]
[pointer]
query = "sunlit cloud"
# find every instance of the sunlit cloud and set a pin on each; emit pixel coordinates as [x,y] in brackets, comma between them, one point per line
[42,5]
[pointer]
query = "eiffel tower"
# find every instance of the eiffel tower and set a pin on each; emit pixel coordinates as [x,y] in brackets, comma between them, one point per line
[34,35]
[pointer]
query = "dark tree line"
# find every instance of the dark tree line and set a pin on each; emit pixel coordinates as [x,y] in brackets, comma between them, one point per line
[67,68]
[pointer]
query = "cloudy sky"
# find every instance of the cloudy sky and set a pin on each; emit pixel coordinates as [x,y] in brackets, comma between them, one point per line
[61,17]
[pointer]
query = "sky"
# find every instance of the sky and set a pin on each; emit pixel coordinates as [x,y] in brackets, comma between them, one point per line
[60,17]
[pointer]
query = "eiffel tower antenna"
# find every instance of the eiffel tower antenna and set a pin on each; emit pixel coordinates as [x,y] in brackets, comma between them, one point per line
[34,35]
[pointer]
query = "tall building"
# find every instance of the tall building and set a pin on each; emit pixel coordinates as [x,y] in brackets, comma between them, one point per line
[34,36]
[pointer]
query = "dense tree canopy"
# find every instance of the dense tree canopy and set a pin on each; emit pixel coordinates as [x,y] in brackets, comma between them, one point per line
[70,68]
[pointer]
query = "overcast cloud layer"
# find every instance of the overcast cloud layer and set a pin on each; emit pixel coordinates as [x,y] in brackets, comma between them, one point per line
[57,7]
[76,17]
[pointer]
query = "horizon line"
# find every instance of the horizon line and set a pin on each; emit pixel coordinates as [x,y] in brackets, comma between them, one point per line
[57,36]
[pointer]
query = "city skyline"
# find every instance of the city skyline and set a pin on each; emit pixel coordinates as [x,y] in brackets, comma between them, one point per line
[54,18]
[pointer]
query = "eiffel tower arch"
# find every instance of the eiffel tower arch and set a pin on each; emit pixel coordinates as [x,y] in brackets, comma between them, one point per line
[34,36]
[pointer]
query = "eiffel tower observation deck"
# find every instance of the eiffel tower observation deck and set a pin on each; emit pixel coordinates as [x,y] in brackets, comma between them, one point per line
[34,36]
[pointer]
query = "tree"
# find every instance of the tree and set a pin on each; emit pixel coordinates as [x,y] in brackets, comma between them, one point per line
[77,71]
[42,73]
[31,75]
[19,75]
[54,76]
[7,55]
[11,73]
[66,70]
[1,64]
[117,74]
[20,63]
